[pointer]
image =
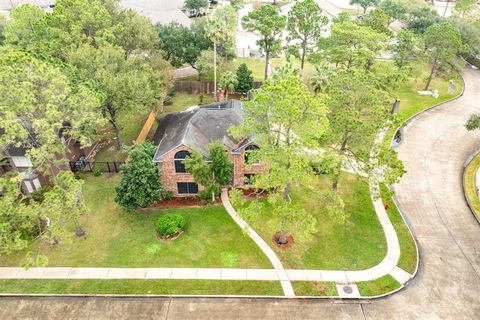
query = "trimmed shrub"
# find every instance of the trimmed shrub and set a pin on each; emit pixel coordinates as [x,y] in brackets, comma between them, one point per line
[168,195]
[170,224]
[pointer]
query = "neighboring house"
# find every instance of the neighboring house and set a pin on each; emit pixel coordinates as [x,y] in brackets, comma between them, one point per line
[178,134]
[15,158]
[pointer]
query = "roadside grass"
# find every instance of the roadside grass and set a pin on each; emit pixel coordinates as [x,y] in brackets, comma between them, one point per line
[129,286]
[377,287]
[358,244]
[408,250]
[118,239]
[310,288]
[469,185]
[410,101]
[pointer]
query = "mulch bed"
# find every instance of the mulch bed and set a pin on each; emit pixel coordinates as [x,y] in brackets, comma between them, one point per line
[187,202]
[283,246]
[170,238]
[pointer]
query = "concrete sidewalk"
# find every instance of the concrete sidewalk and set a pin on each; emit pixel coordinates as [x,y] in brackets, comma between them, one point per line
[387,266]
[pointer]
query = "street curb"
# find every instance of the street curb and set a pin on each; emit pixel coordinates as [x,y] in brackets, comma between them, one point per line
[465,165]
[395,199]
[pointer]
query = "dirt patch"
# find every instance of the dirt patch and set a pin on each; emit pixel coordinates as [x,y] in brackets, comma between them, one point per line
[170,238]
[283,246]
[254,193]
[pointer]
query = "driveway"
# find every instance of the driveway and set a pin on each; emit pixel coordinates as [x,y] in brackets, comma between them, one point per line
[448,283]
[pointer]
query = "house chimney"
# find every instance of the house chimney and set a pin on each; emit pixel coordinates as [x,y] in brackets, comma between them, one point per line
[221,95]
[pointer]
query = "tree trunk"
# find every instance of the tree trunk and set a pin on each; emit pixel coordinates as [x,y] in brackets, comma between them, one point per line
[117,134]
[302,64]
[364,10]
[226,94]
[286,193]
[267,57]
[282,237]
[215,71]
[431,75]
[336,176]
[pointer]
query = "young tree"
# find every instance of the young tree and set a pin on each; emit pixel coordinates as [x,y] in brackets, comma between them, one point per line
[463,7]
[245,79]
[134,33]
[350,45]
[305,25]
[181,45]
[38,100]
[267,23]
[442,45]
[358,111]
[365,4]
[214,31]
[228,16]
[214,174]
[323,73]
[140,185]
[406,48]
[25,25]
[378,20]
[394,8]
[420,18]
[48,219]
[228,81]
[125,85]
[286,119]
[196,5]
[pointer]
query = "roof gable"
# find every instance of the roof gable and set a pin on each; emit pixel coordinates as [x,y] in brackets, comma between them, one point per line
[198,127]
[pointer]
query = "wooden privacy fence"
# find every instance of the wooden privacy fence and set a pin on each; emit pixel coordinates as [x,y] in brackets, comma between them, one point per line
[201,86]
[102,166]
[147,126]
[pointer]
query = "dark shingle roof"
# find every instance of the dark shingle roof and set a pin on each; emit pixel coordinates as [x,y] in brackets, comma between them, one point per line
[198,127]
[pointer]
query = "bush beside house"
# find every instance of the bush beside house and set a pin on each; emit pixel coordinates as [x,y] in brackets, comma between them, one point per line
[140,185]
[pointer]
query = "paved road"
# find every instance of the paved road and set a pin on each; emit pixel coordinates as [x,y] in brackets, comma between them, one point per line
[448,284]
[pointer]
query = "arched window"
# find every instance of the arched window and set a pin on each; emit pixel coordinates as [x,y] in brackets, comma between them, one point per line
[248,150]
[178,161]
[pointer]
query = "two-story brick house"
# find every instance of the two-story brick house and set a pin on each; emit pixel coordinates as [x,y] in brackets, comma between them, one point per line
[178,134]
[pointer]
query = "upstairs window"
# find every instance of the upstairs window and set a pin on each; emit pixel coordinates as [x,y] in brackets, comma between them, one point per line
[178,161]
[249,159]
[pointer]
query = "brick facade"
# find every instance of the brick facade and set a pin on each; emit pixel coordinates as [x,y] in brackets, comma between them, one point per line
[169,177]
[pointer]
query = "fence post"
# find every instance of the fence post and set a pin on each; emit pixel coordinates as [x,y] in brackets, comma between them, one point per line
[115,165]
[108,166]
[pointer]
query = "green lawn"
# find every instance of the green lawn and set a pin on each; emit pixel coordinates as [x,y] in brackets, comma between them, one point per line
[130,128]
[377,287]
[357,245]
[182,101]
[126,286]
[118,239]
[410,101]
[469,185]
[408,250]
[309,288]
